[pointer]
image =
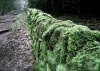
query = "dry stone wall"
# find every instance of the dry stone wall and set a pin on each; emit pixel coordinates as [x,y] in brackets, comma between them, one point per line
[62,45]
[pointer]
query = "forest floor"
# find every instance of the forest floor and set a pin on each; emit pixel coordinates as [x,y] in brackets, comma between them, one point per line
[15,45]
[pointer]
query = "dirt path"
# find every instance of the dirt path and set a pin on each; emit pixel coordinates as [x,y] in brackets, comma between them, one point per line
[15,46]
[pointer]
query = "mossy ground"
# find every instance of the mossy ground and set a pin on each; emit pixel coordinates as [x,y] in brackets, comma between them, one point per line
[62,45]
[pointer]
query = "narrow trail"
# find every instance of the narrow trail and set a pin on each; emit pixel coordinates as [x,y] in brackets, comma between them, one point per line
[15,46]
[6,21]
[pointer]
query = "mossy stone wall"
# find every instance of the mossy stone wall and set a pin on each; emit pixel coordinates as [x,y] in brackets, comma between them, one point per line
[62,45]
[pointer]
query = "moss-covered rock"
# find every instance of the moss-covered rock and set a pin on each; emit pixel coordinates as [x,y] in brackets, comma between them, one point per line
[62,45]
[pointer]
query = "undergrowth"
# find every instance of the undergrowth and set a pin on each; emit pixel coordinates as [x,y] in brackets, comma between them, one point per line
[20,20]
[6,6]
[62,45]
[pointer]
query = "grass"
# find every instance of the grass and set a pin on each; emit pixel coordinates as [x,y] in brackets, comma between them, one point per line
[19,21]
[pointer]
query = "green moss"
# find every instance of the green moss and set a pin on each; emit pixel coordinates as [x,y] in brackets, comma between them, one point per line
[62,45]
